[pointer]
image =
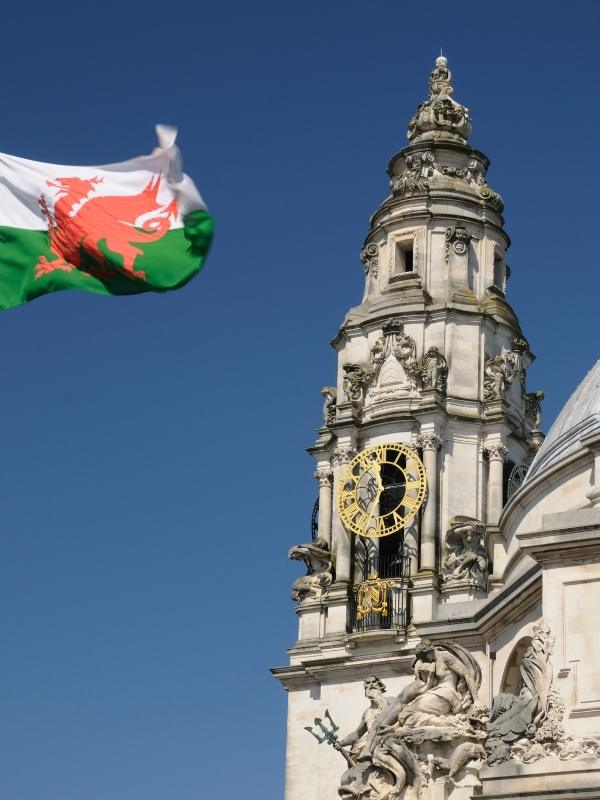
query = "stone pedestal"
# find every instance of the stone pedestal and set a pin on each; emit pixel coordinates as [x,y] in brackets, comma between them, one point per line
[337,609]
[310,619]
[424,597]
[546,779]
[462,592]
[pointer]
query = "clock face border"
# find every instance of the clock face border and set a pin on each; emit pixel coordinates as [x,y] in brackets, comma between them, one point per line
[361,486]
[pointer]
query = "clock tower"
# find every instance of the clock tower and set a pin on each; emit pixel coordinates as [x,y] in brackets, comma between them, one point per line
[427,427]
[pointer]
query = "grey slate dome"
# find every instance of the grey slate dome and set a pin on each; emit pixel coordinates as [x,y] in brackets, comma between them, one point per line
[579,418]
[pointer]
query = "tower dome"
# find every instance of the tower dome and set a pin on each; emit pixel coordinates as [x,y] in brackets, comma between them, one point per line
[579,418]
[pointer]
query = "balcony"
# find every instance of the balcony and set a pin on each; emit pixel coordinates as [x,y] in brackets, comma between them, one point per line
[380,597]
[394,618]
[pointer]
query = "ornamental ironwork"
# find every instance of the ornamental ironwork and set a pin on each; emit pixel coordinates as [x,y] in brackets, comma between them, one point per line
[516,478]
[372,596]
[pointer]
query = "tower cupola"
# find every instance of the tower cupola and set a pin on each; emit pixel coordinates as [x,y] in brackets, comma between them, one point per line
[440,117]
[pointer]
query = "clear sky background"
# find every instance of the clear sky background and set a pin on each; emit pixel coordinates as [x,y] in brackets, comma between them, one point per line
[152,464]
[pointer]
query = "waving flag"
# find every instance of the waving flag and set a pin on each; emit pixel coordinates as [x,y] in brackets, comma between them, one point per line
[124,228]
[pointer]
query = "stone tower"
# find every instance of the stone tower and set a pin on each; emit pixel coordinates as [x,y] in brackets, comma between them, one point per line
[433,359]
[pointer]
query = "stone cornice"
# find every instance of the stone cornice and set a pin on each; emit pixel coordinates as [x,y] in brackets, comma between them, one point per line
[373,319]
[501,609]
[344,668]
[571,537]
[506,606]
[457,198]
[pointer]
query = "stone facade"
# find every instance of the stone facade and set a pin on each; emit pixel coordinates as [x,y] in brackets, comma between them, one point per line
[470,669]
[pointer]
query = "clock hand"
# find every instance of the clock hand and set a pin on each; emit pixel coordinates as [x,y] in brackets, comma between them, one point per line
[374,506]
[378,480]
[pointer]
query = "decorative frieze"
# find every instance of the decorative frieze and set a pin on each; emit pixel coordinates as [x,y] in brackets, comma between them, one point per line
[418,168]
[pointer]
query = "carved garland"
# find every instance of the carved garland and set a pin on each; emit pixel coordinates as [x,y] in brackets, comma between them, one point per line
[419,167]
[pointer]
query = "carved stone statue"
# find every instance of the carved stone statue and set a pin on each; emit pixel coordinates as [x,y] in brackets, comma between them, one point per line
[466,560]
[354,382]
[500,371]
[517,717]
[443,694]
[378,770]
[319,576]
[434,370]
[404,348]
[329,404]
[528,726]
[431,729]
[533,409]
[377,355]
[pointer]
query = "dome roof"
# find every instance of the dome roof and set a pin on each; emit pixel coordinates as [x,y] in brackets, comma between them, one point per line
[579,418]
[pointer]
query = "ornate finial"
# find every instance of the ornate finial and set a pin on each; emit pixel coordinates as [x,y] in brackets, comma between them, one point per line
[440,117]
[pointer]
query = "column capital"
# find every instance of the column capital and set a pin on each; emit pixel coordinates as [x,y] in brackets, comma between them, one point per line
[324,475]
[429,441]
[495,451]
[343,454]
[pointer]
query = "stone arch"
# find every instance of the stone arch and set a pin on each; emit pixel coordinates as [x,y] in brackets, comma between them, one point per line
[511,678]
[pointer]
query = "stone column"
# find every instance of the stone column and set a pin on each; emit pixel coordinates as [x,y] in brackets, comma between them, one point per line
[430,444]
[341,537]
[495,453]
[324,475]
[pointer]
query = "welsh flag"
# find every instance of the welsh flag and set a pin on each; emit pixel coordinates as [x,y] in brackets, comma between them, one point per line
[138,226]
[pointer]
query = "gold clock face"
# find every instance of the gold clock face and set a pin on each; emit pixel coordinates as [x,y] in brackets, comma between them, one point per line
[382,489]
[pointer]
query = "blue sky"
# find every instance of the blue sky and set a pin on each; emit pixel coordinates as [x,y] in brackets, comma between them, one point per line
[152,464]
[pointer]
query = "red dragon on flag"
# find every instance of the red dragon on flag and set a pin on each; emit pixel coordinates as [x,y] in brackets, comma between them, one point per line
[126,228]
[78,225]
